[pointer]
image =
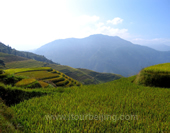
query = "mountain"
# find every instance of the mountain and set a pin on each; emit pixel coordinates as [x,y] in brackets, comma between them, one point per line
[103,53]
[159,47]
[28,55]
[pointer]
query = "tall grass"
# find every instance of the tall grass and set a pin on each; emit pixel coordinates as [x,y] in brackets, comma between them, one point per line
[39,74]
[158,76]
[160,68]
[117,106]
[25,82]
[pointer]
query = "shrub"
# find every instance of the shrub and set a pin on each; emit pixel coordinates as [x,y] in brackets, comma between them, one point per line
[10,78]
[1,71]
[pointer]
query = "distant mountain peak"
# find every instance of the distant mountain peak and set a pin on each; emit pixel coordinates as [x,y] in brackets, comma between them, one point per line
[98,35]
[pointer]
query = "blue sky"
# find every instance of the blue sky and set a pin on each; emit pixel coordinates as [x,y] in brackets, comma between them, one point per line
[30,24]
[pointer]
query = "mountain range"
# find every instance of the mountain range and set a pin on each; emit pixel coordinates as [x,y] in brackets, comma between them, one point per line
[159,47]
[103,53]
[11,58]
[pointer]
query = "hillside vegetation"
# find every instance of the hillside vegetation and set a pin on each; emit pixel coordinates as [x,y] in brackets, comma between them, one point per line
[74,73]
[157,75]
[7,124]
[28,55]
[36,77]
[101,77]
[116,106]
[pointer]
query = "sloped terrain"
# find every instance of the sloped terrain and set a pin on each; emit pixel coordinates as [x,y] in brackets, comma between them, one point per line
[157,75]
[8,61]
[116,106]
[103,53]
[8,50]
[74,73]
[101,77]
[41,76]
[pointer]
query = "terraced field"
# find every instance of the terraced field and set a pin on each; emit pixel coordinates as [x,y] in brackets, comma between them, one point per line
[157,76]
[82,75]
[41,77]
[119,106]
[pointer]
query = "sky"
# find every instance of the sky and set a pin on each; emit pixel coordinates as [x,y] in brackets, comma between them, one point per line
[29,24]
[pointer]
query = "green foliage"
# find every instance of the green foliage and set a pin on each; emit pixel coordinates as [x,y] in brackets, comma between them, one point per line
[28,83]
[13,95]
[144,109]
[28,77]
[24,64]
[101,77]
[158,76]
[39,74]
[160,68]
[55,80]
[10,78]
[62,83]
[7,121]
[25,55]
[1,71]
[20,70]
[78,74]
[25,82]
[43,84]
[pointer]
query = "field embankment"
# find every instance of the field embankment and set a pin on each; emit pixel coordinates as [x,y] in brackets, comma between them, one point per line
[156,76]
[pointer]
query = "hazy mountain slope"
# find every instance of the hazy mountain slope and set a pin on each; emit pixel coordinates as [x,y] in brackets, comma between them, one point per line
[8,61]
[159,47]
[103,53]
[29,55]
[102,77]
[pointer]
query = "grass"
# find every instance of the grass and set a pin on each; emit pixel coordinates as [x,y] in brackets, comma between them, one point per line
[101,77]
[39,74]
[20,70]
[24,64]
[24,82]
[6,119]
[158,76]
[43,84]
[31,76]
[160,68]
[62,83]
[8,57]
[77,74]
[60,78]
[117,106]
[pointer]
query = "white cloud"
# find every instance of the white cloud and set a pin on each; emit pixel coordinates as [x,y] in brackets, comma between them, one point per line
[107,30]
[115,21]
[143,41]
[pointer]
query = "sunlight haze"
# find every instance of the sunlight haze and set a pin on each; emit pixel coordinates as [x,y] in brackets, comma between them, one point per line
[27,25]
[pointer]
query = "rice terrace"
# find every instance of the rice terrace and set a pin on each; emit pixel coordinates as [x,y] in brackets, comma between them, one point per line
[84,66]
[46,100]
